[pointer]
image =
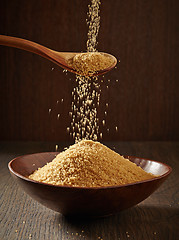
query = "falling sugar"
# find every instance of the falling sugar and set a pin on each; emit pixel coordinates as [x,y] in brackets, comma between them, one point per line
[86,94]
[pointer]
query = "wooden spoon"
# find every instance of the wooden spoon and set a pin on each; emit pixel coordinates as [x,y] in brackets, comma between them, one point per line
[60,58]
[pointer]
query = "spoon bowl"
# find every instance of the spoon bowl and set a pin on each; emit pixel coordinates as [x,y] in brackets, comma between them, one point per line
[59,58]
[83,201]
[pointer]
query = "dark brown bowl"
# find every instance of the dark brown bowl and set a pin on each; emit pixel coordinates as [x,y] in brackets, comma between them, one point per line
[94,202]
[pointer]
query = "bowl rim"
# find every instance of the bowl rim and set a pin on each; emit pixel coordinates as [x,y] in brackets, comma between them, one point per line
[169,170]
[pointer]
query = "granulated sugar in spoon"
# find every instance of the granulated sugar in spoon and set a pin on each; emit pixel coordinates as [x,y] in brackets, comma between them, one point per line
[78,63]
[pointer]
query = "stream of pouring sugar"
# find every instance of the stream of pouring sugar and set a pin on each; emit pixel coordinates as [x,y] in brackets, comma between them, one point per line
[86,95]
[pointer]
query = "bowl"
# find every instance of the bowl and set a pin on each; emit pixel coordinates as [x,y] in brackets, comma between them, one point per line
[85,201]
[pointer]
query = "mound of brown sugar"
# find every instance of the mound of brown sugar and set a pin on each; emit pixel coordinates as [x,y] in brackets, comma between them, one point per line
[90,164]
[90,62]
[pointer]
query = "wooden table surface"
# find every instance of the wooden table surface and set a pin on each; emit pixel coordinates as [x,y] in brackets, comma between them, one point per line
[22,218]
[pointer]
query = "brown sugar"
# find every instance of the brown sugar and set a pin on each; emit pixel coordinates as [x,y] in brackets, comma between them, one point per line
[90,62]
[87,92]
[90,164]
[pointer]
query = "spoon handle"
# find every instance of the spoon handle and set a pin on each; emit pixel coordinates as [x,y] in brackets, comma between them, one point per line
[25,45]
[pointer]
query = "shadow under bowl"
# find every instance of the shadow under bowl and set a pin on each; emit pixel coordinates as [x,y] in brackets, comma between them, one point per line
[86,202]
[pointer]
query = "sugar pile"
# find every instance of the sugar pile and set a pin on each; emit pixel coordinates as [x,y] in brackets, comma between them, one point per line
[90,164]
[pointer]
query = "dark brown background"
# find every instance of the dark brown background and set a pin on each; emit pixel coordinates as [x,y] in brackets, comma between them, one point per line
[142,34]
